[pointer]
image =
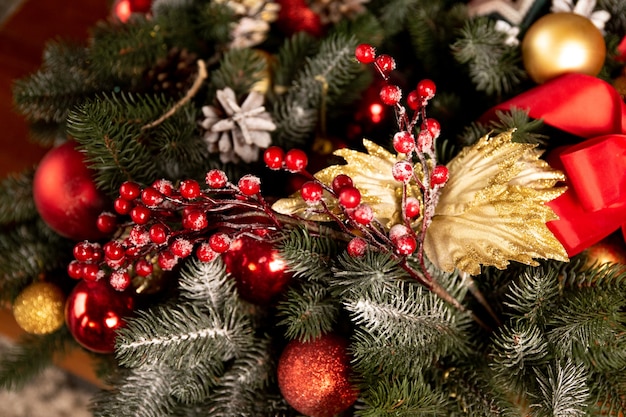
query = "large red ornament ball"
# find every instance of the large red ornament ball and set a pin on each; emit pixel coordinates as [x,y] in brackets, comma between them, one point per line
[65,194]
[295,16]
[314,377]
[94,311]
[123,9]
[259,271]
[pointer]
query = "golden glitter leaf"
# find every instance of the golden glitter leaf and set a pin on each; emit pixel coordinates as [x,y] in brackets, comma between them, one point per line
[492,209]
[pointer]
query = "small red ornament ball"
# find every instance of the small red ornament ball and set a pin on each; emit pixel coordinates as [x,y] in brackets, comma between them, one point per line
[314,377]
[259,271]
[65,194]
[94,311]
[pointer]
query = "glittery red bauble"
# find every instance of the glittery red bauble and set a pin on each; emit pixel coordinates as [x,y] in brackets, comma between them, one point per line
[295,16]
[94,311]
[258,269]
[314,377]
[65,194]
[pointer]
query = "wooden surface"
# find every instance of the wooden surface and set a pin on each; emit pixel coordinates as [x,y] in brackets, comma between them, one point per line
[22,39]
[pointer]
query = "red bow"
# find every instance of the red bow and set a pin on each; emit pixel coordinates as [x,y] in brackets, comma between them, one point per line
[594,206]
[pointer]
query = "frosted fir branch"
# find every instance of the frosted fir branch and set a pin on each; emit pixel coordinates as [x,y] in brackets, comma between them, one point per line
[206,282]
[564,391]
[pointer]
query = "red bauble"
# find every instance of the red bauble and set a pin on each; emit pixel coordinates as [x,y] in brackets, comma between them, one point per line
[94,311]
[65,194]
[123,9]
[609,250]
[258,269]
[295,16]
[314,377]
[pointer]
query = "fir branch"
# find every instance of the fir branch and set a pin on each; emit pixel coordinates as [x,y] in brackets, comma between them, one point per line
[307,312]
[365,28]
[563,391]
[494,67]
[142,392]
[30,356]
[183,334]
[292,58]
[533,294]
[16,198]
[394,14]
[608,389]
[206,283]
[402,398]
[194,382]
[617,9]
[307,256]
[239,69]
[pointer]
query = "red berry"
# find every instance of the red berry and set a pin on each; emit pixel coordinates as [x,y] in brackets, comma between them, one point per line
[120,280]
[129,190]
[216,178]
[402,171]
[390,94]
[413,100]
[249,184]
[151,197]
[406,244]
[167,260]
[433,127]
[75,270]
[311,192]
[439,176]
[273,157]
[143,268]
[195,220]
[398,230]
[385,63]
[220,242]
[91,272]
[140,214]
[426,89]
[365,53]
[403,142]
[106,223]
[139,237]
[363,214]
[349,197]
[357,247]
[296,160]
[205,253]
[83,252]
[163,186]
[158,233]
[189,189]
[340,181]
[412,207]
[122,206]
[181,247]
[424,141]
[114,250]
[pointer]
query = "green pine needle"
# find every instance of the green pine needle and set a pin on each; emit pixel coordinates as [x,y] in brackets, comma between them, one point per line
[16,198]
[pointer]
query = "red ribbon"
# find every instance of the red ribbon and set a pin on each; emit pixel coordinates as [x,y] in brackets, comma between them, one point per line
[594,206]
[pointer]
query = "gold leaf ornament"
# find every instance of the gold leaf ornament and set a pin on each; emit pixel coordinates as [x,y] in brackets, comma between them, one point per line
[492,210]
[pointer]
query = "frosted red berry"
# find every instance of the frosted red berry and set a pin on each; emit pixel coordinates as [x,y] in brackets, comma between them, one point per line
[143,268]
[129,190]
[398,230]
[357,247]
[151,197]
[274,157]
[349,197]
[311,192]
[120,280]
[363,214]
[340,181]
[402,171]
[439,176]
[91,272]
[122,206]
[406,244]
[195,220]
[158,233]
[424,141]
[205,253]
[138,237]
[385,63]
[412,207]
[403,142]
[220,242]
[189,189]
[426,89]
[216,178]
[107,223]
[249,184]
[75,269]
[365,53]
[167,260]
[181,247]
[390,94]
[413,100]
[433,127]
[140,214]
[163,186]
[296,160]
[83,252]
[114,250]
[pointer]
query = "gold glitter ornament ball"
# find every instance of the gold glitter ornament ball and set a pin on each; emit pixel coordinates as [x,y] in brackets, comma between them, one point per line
[314,376]
[39,309]
[560,43]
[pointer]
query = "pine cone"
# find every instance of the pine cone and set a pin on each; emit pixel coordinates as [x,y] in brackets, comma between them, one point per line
[173,74]
[333,11]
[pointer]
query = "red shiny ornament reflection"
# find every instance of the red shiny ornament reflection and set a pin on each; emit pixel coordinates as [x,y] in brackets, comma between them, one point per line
[123,9]
[94,311]
[259,271]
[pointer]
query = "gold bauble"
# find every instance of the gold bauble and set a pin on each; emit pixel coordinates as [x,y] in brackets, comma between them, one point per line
[40,308]
[560,43]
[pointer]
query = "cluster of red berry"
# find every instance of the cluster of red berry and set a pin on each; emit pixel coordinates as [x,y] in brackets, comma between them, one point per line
[168,223]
